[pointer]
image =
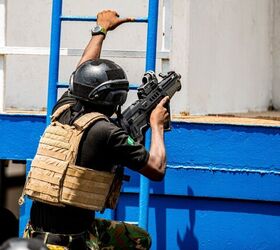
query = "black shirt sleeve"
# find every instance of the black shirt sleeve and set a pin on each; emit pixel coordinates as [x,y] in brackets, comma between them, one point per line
[127,152]
[106,145]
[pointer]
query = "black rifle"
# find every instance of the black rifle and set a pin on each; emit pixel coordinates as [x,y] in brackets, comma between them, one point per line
[136,118]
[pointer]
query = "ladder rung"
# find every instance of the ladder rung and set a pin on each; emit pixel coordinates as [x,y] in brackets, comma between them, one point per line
[62,85]
[132,86]
[93,18]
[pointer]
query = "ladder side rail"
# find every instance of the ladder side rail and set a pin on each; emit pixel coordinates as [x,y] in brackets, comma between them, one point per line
[150,65]
[54,56]
[26,206]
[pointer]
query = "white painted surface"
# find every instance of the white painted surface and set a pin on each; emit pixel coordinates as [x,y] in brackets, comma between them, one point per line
[227,51]
[45,51]
[230,62]
[276,55]
[179,58]
[2,59]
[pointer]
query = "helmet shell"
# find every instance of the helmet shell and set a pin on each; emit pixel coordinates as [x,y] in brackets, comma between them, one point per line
[101,82]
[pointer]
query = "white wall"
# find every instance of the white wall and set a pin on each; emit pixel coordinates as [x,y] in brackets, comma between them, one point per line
[2,58]
[227,51]
[230,63]
[179,60]
[28,25]
[276,55]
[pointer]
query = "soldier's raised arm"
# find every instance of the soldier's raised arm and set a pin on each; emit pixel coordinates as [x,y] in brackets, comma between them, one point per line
[107,20]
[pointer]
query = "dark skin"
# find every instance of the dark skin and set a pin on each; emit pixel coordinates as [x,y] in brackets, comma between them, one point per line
[156,164]
[109,20]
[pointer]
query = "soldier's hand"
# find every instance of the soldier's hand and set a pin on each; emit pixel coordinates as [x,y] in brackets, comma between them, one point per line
[160,114]
[110,19]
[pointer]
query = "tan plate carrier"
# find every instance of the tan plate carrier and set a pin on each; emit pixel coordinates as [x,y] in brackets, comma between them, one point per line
[55,179]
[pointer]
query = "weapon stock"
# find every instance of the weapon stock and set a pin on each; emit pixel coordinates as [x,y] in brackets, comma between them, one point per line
[135,119]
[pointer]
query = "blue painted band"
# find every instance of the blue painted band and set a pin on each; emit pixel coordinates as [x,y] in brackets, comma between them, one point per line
[224,146]
[18,116]
[212,184]
[21,136]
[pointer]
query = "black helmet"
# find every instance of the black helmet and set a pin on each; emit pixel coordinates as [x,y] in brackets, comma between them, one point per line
[100,82]
[23,244]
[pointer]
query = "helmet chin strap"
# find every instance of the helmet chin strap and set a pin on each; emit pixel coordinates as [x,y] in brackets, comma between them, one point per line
[119,112]
[119,116]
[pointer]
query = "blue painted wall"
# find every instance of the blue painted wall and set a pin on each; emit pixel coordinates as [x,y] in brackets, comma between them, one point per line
[182,222]
[19,135]
[221,191]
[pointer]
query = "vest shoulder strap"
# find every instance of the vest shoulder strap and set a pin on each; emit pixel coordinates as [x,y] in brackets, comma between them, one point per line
[59,111]
[84,121]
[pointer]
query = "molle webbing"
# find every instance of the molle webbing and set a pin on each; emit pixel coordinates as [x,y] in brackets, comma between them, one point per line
[59,111]
[55,179]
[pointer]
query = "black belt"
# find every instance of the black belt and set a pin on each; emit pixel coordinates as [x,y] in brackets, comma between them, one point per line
[60,239]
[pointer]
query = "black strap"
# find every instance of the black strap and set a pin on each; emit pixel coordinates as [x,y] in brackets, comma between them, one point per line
[78,109]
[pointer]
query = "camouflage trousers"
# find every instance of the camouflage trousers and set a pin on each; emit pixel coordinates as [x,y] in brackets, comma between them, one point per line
[107,235]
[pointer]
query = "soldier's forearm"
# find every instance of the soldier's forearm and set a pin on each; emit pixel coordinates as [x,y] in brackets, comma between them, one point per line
[93,49]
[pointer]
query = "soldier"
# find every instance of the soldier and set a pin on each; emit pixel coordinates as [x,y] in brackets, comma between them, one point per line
[74,171]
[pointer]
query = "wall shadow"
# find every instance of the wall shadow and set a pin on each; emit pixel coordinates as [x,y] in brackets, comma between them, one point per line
[189,241]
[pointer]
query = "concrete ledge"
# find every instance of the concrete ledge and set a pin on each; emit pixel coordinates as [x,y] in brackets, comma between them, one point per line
[259,119]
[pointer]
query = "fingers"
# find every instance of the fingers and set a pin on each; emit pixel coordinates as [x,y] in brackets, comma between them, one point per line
[113,17]
[166,116]
[161,107]
[160,114]
[116,13]
[164,101]
[127,19]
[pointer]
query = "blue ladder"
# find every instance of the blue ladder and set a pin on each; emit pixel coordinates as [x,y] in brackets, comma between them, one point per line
[54,84]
